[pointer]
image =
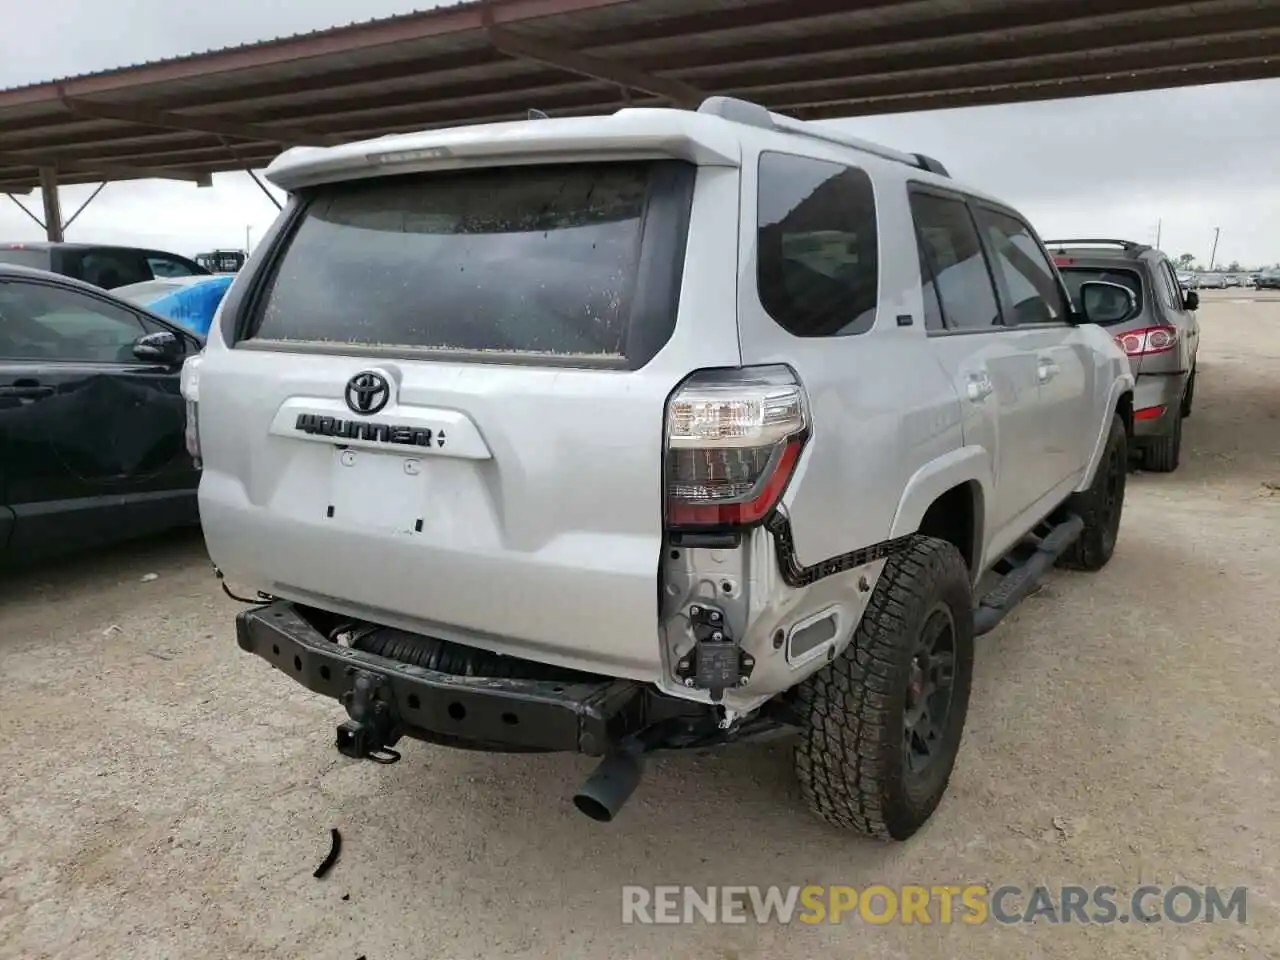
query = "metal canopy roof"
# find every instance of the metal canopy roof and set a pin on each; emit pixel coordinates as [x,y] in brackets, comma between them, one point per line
[235,109]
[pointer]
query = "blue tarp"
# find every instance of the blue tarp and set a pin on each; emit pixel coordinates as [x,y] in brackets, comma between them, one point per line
[193,306]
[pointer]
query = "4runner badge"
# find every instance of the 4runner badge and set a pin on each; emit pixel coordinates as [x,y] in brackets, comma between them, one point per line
[367,392]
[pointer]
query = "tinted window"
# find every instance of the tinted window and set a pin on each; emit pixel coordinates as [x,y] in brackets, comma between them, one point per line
[929,293]
[1028,277]
[38,322]
[1166,286]
[816,260]
[1074,277]
[112,268]
[25,258]
[162,266]
[949,243]
[526,260]
[1179,303]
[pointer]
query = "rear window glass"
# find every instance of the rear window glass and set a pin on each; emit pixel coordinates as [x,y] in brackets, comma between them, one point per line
[816,262]
[25,258]
[542,260]
[1074,277]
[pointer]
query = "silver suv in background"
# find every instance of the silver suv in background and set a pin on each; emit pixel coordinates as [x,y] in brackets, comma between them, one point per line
[1161,337]
[658,430]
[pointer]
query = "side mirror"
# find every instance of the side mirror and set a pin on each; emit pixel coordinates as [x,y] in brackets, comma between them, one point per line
[1106,303]
[163,347]
[1192,300]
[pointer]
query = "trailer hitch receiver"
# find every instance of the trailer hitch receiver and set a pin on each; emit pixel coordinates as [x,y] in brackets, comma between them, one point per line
[372,730]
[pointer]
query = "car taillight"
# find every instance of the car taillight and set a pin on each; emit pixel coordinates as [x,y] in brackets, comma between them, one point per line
[1148,340]
[733,439]
[190,386]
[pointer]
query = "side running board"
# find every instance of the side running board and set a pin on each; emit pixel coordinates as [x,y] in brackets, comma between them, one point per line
[1025,573]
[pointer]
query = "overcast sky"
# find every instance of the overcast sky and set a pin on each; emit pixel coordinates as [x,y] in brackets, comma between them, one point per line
[1194,158]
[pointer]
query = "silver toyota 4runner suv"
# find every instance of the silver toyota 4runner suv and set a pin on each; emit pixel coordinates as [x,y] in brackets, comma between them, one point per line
[657,430]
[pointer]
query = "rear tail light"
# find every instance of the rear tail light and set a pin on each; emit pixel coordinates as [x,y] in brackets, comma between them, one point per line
[1148,340]
[733,439]
[190,386]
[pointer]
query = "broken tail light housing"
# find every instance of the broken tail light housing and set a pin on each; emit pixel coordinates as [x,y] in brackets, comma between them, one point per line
[1148,340]
[733,440]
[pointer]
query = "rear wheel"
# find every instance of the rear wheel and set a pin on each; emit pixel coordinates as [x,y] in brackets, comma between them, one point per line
[1100,505]
[882,722]
[1162,454]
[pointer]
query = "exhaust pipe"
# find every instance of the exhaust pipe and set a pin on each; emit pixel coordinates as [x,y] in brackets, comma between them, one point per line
[611,785]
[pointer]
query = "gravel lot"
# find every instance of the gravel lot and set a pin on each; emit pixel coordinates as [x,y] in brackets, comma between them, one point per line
[164,795]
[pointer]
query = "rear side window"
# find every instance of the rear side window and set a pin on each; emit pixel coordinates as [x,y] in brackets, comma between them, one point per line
[957,266]
[162,266]
[24,257]
[817,267]
[1170,289]
[1075,277]
[112,268]
[1028,278]
[568,261]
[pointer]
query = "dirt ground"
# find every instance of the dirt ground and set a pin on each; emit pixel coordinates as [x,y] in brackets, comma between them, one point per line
[164,795]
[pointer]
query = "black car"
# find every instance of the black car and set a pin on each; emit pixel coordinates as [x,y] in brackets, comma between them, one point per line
[1268,280]
[92,425]
[102,265]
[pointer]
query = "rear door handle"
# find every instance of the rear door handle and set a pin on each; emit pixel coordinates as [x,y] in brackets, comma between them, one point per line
[26,391]
[979,387]
[1046,370]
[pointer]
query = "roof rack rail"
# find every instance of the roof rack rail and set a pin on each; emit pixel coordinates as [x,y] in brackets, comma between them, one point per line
[1126,245]
[755,115]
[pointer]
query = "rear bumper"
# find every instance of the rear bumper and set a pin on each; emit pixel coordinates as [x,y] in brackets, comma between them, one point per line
[468,712]
[509,601]
[1152,393]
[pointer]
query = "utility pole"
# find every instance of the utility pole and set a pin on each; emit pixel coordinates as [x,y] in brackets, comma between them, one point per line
[1159,225]
[247,228]
[1214,252]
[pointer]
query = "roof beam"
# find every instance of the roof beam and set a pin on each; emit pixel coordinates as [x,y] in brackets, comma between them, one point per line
[438,22]
[104,171]
[165,120]
[1010,73]
[607,71]
[1037,91]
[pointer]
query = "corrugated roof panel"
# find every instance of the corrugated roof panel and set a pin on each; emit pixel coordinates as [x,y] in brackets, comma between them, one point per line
[811,57]
[257,44]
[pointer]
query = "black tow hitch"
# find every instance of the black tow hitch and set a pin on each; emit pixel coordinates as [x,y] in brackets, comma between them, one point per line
[373,729]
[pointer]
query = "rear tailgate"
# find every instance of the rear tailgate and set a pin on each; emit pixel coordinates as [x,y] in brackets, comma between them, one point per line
[504,489]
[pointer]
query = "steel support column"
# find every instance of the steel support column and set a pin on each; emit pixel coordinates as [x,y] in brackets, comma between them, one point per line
[52,208]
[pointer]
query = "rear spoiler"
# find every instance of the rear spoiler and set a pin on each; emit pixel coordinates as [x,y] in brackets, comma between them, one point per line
[629,134]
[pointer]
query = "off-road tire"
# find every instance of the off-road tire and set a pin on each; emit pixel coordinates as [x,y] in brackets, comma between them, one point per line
[1189,395]
[1100,506]
[1163,454]
[850,758]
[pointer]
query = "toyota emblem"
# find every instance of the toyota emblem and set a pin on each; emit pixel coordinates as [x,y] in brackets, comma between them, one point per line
[368,392]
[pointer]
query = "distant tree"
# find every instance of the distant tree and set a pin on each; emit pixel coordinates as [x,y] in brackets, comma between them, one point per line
[1234,267]
[1186,260]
